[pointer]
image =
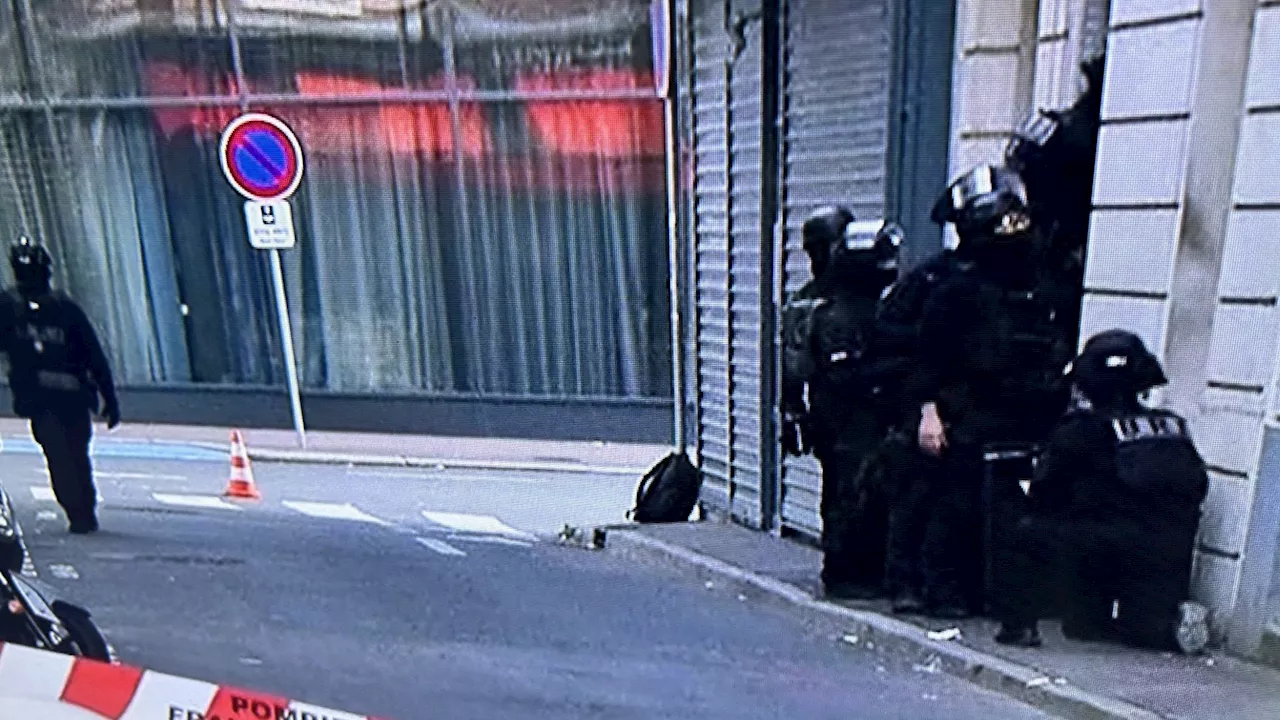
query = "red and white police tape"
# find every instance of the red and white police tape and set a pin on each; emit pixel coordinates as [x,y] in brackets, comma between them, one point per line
[47,686]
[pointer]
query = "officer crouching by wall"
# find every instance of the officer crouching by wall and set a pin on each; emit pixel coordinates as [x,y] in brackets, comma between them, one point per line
[57,371]
[1115,506]
[829,348]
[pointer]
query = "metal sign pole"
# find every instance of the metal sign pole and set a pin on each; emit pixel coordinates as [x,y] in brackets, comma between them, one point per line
[262,160]
[663,20]
[286,341]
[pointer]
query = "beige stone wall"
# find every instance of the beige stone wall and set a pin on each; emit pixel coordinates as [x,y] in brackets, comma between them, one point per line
[1167,235]
[1184,240]
[1241,373]
[994,77]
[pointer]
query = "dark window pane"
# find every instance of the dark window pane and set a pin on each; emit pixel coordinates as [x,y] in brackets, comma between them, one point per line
[494,40]
[538,274]
[121,48]
[274,61]
[10,54]
[149,238]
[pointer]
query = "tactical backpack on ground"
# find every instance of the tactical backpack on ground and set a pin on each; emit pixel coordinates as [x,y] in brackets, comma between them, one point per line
[668,493]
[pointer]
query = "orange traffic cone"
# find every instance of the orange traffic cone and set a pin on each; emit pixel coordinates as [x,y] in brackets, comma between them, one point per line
[241,485]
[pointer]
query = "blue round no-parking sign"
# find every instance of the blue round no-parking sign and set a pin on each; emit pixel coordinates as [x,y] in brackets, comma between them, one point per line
[261,157]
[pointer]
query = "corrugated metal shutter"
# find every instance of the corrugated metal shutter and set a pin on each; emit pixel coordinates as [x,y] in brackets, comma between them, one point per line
[839,68]
[727,135]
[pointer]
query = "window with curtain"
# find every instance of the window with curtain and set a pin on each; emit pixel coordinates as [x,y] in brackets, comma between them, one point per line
[97,48]
[10,55]
[513,247]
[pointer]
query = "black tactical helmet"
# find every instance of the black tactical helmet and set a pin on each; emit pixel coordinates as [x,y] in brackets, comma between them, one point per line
[873,242]
[25,253]
[988,200]
[825,227]
[1030,141]
[1116,361]
[32,266]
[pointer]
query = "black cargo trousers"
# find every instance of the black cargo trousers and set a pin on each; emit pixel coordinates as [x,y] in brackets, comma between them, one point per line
[64,433]
[854,506]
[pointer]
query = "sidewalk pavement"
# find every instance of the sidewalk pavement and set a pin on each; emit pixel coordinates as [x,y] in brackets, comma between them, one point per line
[341,448]
[1065,678]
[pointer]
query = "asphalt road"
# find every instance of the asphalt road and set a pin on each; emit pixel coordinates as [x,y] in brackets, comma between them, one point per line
[338,590]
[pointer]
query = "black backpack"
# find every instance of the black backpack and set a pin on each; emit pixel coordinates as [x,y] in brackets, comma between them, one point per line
[669,492]
[1157,462]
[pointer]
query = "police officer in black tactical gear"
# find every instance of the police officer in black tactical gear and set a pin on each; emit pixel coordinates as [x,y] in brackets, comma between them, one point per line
[1055,153]
[1113,513]
[829,346]
[990,358]
[58,375]
[903,464]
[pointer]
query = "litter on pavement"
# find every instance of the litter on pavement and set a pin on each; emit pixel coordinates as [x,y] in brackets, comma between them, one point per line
[945,635]
[932,667]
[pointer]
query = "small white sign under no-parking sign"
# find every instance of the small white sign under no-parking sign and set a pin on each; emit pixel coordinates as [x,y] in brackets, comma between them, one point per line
[270,225]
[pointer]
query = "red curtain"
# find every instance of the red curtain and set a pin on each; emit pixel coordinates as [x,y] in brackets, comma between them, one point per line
[608,128]
[168,79]
[396,127]
[405,128]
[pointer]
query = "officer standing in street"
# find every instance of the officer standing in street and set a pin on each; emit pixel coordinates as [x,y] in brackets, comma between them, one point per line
[1114,512]
[829,347]
[990,356]
[58,375]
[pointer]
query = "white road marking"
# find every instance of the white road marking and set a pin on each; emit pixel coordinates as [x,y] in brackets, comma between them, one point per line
[333,511]
[492,540]
[97,474]
[29,565]
[47,515]
[64,572]
[43,494]
[196,501]
[479,524]
[441,547]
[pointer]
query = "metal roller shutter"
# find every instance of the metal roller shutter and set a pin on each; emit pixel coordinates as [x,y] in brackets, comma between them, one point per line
[727,127]
[837,94]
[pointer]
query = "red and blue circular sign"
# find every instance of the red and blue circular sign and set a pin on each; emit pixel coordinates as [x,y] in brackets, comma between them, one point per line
[261,157]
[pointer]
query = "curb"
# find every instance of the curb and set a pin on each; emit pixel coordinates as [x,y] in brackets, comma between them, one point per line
[309,457]
[873,630]
[313,457]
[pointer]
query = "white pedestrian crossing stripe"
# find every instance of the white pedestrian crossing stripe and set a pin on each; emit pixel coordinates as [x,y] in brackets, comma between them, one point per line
[102,475]
[212,502]
[441,547]
[43,494]
[333,511]
[479,524]
[40,493]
